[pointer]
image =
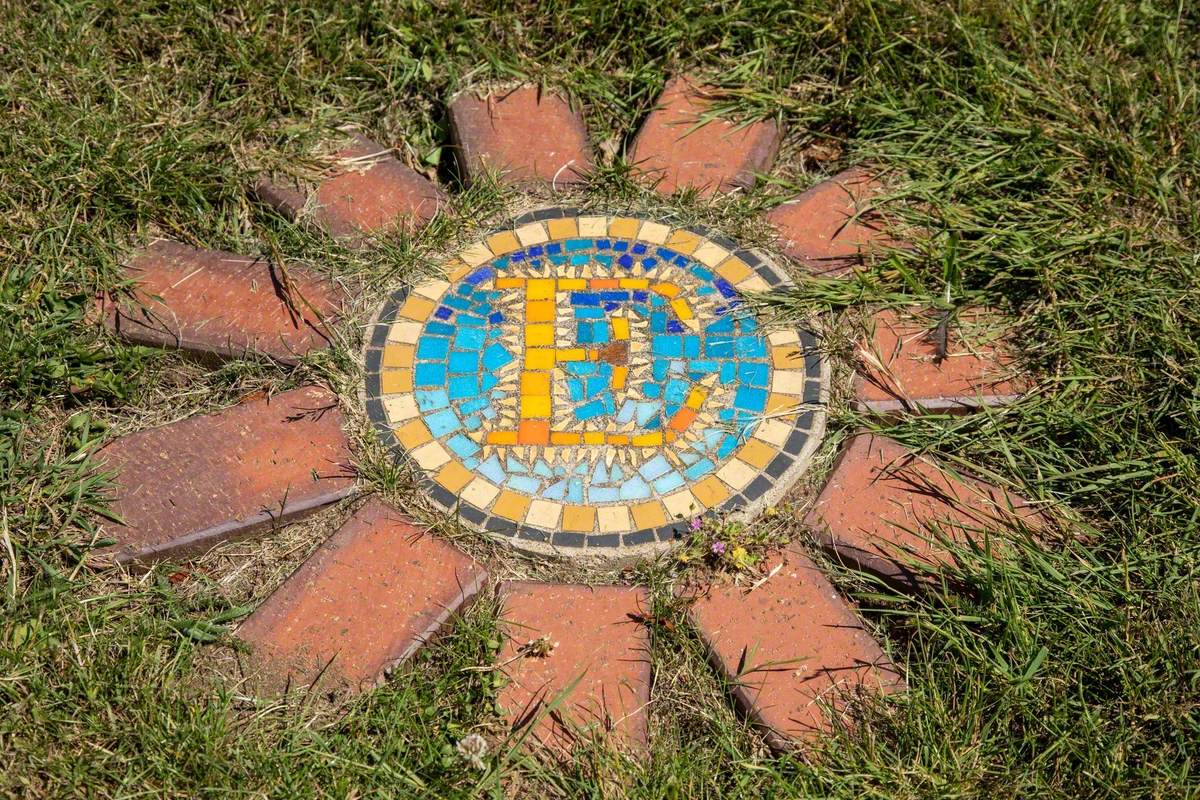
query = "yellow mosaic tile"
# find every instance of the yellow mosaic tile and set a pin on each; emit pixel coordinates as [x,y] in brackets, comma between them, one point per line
[624,228]
[781,404]
[562,228]
[512,506]
[454,476]
[398,355]
[540,335]
[535,383]
[757,454]
[581,519]
[540,311]
[649,515]
[684,241]
[539,289]
[458,270]
[535,407]
[735,270]
[711,492]
[396,380]
[418,308]
[413,434]
[787,358]
[503,243]
[539,358]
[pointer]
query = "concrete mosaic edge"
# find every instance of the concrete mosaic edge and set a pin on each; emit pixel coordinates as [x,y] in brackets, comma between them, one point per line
[770,483]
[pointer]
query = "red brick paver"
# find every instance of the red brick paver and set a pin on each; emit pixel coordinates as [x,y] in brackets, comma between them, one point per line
[528,134]
[829,228]
[902,371]
[793,649]
[220,304]
[374,593]
[185,486]
[884,508]
[372,193]
[598,642]
[718,156]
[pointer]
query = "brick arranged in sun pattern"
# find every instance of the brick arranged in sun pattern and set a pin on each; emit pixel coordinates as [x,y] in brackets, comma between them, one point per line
[834,225]
[221,304]
[590,381]
[595,679]
[183,487]
[527,134]
[886,510]
[677,148]
[791,648]
[364,602]
[371,192]
[902,371]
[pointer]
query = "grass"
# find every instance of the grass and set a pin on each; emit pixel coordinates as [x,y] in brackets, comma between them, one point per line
[1050,152]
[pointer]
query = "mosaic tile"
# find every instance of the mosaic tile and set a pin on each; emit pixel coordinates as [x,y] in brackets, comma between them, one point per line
[588,381]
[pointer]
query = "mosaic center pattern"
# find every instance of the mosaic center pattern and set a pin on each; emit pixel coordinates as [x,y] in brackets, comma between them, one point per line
[593,382]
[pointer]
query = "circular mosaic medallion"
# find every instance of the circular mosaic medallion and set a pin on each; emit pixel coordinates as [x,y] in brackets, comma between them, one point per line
[594,383]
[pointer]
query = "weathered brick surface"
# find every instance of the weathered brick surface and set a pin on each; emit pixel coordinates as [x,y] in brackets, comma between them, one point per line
[831,228]
[902,371]
[364,602]
[527,134]
[183,487]
[598,643]
[793,650]
[884,509]
[717,156]
[373,193]
[214,303]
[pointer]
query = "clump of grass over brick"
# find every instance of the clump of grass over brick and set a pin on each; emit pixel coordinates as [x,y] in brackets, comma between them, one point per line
[1051,151]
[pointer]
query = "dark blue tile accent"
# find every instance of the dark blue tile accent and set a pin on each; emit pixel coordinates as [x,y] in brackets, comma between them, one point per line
[374,360]
[638,537]
[535,534]
[795,442]
[471,514]
[779,466]
[758,487]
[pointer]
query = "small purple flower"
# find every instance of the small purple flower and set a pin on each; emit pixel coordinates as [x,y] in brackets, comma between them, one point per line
[718,548]
[696,523]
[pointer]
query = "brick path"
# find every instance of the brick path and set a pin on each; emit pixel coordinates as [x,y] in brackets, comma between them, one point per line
[577,658]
